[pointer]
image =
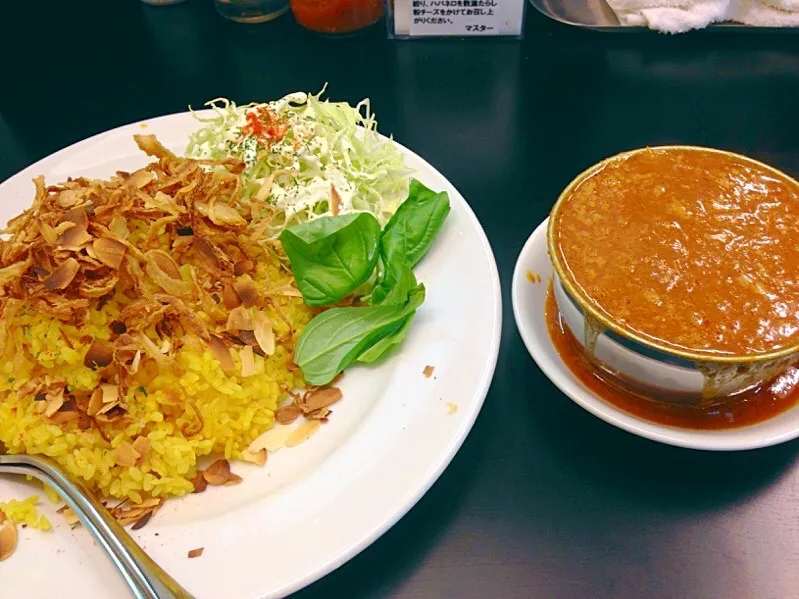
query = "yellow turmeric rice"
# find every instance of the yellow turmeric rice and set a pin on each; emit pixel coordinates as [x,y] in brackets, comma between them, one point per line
[133,426]
[24,512]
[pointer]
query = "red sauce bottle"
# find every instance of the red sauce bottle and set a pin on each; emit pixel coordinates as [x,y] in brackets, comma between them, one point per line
[337,16]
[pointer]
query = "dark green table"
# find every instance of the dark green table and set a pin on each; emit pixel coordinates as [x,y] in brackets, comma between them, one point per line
[544,500]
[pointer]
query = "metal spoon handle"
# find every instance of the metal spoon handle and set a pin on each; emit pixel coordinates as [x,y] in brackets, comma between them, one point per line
[143,576]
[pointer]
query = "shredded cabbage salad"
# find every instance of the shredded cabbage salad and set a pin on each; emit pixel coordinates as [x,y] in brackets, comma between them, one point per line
[305,158]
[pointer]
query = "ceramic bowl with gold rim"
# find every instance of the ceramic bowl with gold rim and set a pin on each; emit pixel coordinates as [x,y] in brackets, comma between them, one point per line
[677,270]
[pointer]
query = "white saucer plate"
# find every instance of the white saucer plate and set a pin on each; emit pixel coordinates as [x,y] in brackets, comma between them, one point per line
[528,309]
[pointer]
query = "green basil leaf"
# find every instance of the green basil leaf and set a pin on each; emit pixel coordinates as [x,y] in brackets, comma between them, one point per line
[412,229]
[387,343]
[317,229]
[336,338]
[394,284]
[332,256]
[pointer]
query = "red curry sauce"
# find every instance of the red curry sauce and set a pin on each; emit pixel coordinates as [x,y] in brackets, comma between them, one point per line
[750,407]
[690,248]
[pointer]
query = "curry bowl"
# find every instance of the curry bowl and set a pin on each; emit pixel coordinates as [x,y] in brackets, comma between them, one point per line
[533,304]
[662,281]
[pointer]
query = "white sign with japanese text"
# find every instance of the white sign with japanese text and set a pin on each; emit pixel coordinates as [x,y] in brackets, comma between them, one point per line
[416,18]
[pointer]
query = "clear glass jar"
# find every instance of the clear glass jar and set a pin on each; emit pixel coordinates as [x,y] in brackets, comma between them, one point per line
[251,11]
[337,17]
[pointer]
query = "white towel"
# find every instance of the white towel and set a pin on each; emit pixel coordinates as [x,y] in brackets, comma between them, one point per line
[670,16]
[764,13]
[678,16]
[785,5]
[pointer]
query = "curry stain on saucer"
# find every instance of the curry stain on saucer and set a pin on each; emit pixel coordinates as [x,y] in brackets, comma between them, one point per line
[747,408]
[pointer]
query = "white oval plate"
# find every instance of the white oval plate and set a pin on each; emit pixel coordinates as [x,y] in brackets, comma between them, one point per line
[315,506]
[528,310]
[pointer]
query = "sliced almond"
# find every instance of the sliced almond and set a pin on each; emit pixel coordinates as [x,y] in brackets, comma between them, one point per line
[126,456]
[165,203]
[54,402]
[239,319]
[245,289]
[247,361]
[225,216]
[151,502]
[89,249]
[264,334]
[109,251]
[199,483]
[230,299]
[221,352]
[69,197]
[62,276]
[119,227]
[69,516]
[76,216]
[109,411]
[142,446]
[243,267]
[196,552]
[62,417]
[48,233]
[134,365]
[303,432]
[233,480]
[219,473]
[130,516]
[8,539]
[287,414]
[95,402]
[60,228]
[254,458]
[206,250]
[247,337]
[32,387]
[142,522]
[99,355]
[165,262]
[321,398]
[74,237]
[272,440]
[110,393]
[140,179]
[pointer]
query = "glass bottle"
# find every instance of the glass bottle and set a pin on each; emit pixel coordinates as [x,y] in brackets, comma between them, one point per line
[337,17]
[251,11]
